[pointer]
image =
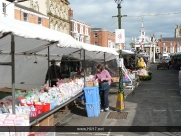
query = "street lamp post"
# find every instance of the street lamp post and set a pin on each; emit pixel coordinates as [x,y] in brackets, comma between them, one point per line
[120,97]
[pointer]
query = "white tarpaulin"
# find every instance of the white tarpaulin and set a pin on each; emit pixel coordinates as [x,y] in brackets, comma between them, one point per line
[31,51]
[93,52]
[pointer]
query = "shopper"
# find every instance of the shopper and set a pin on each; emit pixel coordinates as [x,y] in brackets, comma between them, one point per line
[104,80]
[53,74]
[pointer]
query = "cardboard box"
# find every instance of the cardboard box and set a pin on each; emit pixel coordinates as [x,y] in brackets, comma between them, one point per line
[89,84]
[115,79]
[96,83]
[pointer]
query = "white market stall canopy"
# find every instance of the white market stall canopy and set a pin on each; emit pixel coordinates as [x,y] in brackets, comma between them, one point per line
[31,53]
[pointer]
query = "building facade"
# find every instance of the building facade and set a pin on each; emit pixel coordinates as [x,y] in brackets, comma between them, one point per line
[6,9]
[168,45]
[79,30]
[102,37]
[30,15]
[145,45]
[56,10]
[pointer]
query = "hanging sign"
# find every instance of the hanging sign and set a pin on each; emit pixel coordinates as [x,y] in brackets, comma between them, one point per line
[120,35]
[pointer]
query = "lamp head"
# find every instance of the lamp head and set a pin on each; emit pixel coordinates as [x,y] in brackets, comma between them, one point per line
[118,1]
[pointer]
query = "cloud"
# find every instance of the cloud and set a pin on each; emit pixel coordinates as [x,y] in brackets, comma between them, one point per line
[98,13]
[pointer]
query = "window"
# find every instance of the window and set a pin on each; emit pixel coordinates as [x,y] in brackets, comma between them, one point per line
[86,31]
[81,29]
[81,39]
[75,27]
[4,7]
[25,15]
[96,43]
[56,27]
[51,25]
[164,48]
[51,8]
[60,29]
[39,20]
[109,44]
[95,35]
[77,39]
[65,29]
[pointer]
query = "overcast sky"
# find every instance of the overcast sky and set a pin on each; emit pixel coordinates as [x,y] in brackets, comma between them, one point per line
[98,13]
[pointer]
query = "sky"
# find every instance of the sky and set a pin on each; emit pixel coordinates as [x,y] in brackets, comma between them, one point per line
[160,16]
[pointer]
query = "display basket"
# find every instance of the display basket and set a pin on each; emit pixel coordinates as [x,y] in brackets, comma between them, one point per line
[33,114]
[39,108]
[46,107]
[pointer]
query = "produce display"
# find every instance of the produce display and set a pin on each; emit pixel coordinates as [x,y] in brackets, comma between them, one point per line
[143,72]
[39,100]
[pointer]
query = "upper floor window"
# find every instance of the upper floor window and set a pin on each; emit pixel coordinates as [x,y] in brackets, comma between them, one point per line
[81,29]
[109,44]
[39,20]
[25,16]
[75,27]
[86,31]
[95,35]
[51,8]
[4,7]
[60,29]
[164,48]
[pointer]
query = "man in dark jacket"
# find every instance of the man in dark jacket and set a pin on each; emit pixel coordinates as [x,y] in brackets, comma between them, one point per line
[53,74]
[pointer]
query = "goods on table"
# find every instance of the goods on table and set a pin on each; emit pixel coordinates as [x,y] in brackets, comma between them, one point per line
[141,63]
[39,100]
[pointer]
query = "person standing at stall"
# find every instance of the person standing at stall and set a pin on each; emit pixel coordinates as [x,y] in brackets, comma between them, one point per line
[104,80]
[53,74]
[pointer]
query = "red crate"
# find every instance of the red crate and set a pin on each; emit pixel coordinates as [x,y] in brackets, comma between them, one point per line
[39,108]
[46,107]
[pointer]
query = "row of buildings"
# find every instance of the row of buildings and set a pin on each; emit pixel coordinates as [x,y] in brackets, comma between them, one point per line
[157,48]
[57,15]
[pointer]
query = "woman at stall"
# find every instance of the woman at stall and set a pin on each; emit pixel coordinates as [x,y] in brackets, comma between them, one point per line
[104,80]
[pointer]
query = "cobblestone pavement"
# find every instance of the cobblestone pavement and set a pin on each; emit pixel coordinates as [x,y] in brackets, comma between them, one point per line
[153,103]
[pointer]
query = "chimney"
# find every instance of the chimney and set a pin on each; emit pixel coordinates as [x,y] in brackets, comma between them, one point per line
[70,13]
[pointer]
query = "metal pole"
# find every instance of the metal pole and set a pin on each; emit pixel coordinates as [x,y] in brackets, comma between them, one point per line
[84,68]
[48,65]
[121,90]
[120,98]
[13,72]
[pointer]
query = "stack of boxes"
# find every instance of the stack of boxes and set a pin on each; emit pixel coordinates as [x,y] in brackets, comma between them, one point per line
[92,101]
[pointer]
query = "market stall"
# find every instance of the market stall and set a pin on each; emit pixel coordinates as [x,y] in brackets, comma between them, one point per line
[29,54]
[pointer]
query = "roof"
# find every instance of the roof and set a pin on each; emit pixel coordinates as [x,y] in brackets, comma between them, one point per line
[29,9]
[98,29]
[178,39]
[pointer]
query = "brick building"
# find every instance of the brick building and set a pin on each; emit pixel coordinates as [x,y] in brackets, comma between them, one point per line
[167,45]
[102,37]
[79,30]
[30,15]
